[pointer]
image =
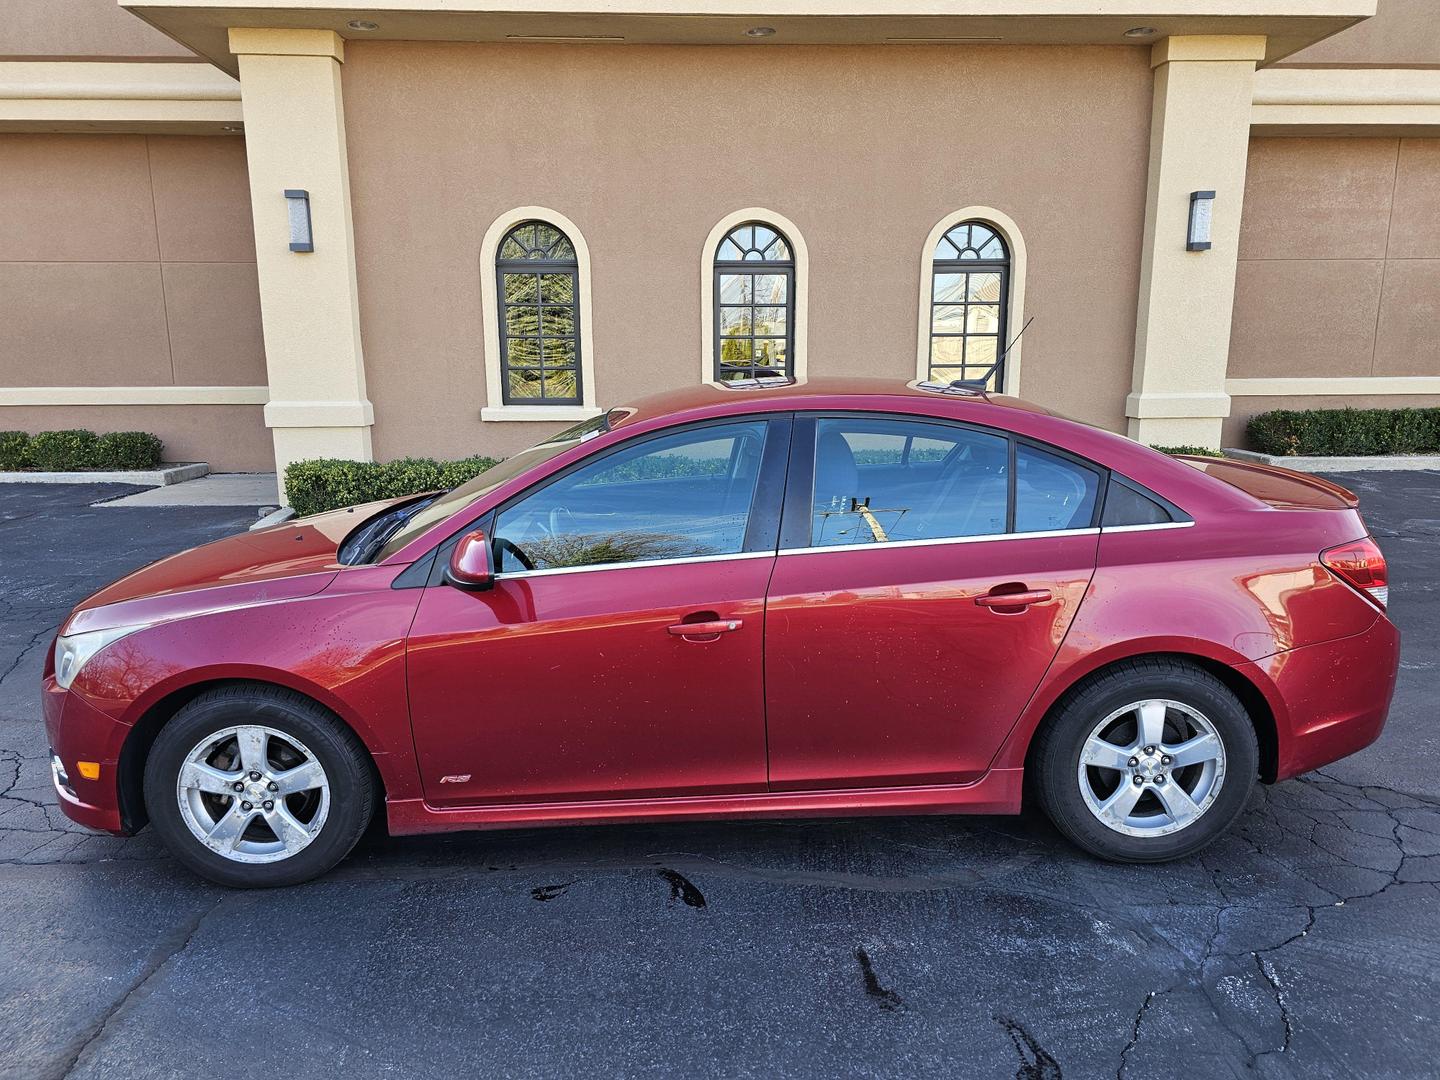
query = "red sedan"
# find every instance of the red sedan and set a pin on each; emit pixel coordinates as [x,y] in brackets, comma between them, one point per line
[830,598]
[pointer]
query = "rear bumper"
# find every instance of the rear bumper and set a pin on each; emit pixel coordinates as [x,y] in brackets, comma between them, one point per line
[1334,697]
[79,732]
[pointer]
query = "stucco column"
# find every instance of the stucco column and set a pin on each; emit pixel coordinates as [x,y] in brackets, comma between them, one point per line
[1199,139]
[295,139]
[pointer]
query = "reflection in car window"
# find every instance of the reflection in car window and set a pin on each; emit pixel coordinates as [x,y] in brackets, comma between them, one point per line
[678,496]
[1052,492]
[452,501]
[881,481]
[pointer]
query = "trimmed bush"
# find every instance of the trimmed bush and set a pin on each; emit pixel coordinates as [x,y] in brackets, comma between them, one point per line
[1197,451]
[14,445]
[321,484]
[128,450]
[64,451]
[77,450]
[1345,432]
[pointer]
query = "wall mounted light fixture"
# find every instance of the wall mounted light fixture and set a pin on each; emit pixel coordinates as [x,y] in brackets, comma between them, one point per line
[298,201]
[1197,237]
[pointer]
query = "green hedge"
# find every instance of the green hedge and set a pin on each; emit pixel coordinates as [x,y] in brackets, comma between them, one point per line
[321,484]
[1341,432]
[77,450]
[1197,451]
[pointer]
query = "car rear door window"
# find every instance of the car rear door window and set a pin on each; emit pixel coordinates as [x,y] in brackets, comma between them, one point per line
[1052,492]
[682,495]
[881,481]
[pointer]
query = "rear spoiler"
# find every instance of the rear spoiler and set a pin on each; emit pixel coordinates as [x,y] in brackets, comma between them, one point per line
[1282,488]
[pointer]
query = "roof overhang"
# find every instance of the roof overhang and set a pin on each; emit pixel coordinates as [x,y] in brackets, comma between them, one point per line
[1288,25]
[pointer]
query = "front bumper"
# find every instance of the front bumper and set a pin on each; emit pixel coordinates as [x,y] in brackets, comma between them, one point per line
[77,732]
[1336,696]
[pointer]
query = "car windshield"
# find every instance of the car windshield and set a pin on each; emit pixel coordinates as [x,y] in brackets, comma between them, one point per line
[457,498]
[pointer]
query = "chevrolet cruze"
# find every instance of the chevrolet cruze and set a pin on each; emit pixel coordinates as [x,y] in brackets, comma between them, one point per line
[766,600]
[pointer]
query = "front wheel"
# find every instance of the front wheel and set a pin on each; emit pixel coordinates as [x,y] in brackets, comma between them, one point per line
[1150,761]
[257,787]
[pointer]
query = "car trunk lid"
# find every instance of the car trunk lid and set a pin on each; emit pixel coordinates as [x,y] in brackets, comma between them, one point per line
[1283,489]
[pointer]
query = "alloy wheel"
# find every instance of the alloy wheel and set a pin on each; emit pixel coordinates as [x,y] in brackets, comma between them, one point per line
[1151,768]
[253,794]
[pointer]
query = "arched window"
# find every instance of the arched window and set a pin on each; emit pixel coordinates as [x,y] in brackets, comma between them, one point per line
[754,304]
[968,297]
[537,277]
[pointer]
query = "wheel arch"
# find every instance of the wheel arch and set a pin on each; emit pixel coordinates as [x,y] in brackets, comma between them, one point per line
[135,750]
[1257,704]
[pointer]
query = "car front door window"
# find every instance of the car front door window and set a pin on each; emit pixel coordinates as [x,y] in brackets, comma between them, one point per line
[681,496]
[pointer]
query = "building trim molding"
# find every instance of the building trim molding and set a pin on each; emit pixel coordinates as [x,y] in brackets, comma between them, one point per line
[801,253]
[1191,47]
[542,413]
[1171,406]
[117,97]
[134,395]
[1318,101]
[1356,386]
[319,414]
[278,41]
[1015,313]
[496,408]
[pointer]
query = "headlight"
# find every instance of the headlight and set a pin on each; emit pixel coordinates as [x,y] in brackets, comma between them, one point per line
[73,651]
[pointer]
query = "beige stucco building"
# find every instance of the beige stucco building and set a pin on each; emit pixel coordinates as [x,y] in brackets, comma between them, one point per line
[520,212]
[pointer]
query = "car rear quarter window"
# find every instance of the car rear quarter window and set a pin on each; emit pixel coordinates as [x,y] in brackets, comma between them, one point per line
[886,480]
[1126,504]
[1052,492]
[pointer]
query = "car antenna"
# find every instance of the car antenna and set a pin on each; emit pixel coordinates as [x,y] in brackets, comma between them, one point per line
[1016,338]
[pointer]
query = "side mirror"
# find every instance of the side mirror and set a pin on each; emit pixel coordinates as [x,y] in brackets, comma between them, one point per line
[470,566]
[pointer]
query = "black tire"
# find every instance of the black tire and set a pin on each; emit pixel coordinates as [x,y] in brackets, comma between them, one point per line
[348,770]
[1055,759]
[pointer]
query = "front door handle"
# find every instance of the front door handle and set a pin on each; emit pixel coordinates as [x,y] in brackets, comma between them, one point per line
[1016,600]
[705,629]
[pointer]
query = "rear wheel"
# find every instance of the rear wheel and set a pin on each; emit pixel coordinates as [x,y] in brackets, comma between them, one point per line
[1149,761]
[258,786]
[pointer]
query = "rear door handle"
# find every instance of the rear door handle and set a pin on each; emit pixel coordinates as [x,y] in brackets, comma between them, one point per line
[1013,599]
[703,629]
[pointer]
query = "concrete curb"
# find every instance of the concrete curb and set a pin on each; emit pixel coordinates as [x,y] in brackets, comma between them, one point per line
[161,477]
[1378,463]
[275,517]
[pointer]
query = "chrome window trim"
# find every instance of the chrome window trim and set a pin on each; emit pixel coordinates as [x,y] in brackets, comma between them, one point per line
[936,542]
[634,563]
[1155,527]
[941,540]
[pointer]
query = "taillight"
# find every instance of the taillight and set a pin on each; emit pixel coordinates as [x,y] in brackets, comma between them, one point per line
[1362,565]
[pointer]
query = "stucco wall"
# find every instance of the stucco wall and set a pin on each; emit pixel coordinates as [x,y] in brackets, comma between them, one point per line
[1339,269]
[646,148]
[129,260]
[1402,33]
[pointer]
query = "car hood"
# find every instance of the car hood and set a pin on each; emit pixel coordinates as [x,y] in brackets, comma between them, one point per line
[283,562]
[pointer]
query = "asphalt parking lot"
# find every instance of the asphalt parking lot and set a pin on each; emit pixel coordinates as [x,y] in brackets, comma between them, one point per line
[1306,943]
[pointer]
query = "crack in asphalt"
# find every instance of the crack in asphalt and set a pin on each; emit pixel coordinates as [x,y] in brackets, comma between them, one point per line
[35,640]
[174,942]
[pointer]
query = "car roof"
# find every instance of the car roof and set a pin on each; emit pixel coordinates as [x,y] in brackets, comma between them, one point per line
[827,392]
[1172,478]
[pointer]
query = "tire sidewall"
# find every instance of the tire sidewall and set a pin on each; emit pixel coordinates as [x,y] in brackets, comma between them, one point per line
[1060,762]
[349,810]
